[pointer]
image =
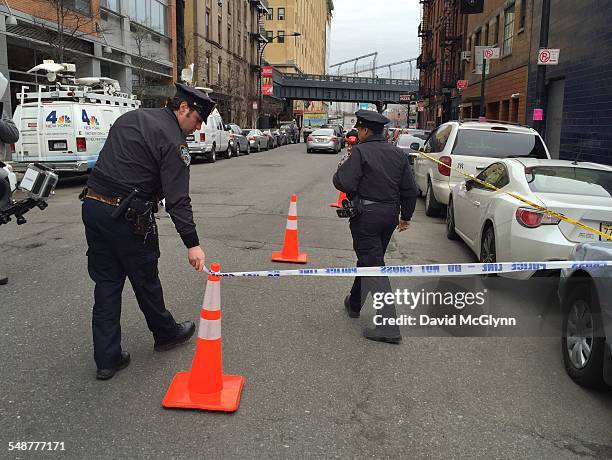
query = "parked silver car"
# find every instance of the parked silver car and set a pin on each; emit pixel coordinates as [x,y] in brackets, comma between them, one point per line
[584,292]
[257,139]
[323,140]
[238,141]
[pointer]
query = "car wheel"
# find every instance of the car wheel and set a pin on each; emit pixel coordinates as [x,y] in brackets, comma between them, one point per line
[228,153]
[308,150]
[248,150]
[488,254]
[451,234]
[432,207]
[581,343]
[258,147]
[212,157]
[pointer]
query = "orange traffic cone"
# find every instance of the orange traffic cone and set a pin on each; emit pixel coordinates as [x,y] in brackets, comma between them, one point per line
[341,197]
[291,252]
[205,387]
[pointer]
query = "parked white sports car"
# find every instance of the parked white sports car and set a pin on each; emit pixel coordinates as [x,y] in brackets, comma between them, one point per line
[499,228]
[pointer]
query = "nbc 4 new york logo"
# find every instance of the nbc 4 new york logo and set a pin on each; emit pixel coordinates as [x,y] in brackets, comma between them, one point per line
[90,120]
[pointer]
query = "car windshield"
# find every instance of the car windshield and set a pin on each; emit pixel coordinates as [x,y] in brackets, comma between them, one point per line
[569,181]
[323,132]
[498,144]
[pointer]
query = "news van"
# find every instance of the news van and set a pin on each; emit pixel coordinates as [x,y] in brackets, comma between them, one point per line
[64,125]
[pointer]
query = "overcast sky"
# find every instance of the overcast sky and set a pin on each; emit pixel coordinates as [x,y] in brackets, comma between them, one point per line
[363,26]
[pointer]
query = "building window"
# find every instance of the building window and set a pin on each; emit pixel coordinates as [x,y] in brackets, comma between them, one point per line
[150,13]
[219,71]
[508,30]
[207,25]
[281,14]
[113,5]
[229,38]
[239,44]
[496,41]
[219,31]
[270,14]
[82,6]
[281,36]
[523,14]
[207,69]
[245,47]
[269,35]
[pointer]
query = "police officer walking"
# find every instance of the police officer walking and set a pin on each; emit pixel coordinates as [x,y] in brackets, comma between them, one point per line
[377,178]
[145,158]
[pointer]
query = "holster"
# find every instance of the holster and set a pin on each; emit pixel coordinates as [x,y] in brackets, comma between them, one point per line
[140,214]
[350,208]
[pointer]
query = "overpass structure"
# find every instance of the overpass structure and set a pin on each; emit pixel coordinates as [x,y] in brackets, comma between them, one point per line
[336,88]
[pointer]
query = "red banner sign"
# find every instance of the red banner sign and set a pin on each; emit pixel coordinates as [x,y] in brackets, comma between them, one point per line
[267,86]
[462,84]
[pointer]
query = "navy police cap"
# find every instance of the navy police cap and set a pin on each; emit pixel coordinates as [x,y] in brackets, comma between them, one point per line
[197,99]
[370,119]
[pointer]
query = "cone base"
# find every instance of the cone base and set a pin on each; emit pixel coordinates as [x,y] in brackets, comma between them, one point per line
[301,258]
[226,400]
[335,205]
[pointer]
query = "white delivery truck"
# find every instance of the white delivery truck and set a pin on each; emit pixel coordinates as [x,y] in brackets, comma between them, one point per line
[213,138]
[63,125]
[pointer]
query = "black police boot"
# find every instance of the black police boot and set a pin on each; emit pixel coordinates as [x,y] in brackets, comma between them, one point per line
[105,374]
[380,335]
[3,280]
[185,332]
[347,306]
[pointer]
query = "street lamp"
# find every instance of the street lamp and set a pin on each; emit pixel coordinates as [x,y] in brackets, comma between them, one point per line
[261,52]
[11,20]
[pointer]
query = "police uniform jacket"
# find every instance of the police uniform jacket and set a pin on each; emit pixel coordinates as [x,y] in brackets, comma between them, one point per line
[378,171]
[146,150]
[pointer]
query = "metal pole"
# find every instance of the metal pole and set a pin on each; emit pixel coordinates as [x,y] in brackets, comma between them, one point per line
[541,74]
[483,106]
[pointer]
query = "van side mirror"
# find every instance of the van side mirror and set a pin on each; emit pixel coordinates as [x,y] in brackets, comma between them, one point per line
[415,146]
[227,127]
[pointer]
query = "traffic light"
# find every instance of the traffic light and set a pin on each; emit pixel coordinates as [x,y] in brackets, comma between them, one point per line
[472,6]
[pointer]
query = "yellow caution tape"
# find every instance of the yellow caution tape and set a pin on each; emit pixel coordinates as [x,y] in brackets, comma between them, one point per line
[520,198]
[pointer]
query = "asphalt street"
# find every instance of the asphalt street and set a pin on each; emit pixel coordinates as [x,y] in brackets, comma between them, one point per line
[314,388]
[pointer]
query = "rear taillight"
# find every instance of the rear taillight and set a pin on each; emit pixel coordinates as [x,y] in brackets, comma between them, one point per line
[202,137]
[12,148]
[352,140]
[251,138]
[81,144]
[445,170]
[531,218]
[310,139]
[334,139]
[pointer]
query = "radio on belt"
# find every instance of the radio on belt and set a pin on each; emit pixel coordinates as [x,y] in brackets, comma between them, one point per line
[38,182]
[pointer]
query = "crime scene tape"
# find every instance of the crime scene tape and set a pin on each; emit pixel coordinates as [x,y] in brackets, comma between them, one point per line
[520,198]
[424,270]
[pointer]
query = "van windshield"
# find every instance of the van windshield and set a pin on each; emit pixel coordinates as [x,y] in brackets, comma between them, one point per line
[498,144]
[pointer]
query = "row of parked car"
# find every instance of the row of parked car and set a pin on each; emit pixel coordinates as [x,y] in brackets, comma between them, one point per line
[230,140]
[500,228]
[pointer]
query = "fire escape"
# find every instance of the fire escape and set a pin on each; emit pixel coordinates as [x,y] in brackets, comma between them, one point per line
[449,38]
[426,61]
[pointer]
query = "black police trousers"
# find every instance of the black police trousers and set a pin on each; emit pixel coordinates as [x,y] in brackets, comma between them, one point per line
[372,231]
[115,253]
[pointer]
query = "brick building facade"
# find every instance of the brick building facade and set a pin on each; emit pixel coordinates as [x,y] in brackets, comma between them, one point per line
[442,34]
[578,113]
[507,25]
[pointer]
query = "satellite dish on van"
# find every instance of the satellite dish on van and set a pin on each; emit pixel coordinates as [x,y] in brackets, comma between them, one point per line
[187,74]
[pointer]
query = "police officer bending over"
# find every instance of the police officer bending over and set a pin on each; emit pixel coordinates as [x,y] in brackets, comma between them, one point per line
[145,158]
[377,178]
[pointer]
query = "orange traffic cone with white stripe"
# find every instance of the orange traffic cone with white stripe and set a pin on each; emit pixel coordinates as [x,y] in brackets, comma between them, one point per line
[341,197]
[205,387]
[291,251]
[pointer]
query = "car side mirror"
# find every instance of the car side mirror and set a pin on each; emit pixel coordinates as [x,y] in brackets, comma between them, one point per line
[415,146]
[469,184]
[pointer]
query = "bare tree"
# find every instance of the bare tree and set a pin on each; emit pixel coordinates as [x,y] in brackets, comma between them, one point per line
[146,57]
[68,25]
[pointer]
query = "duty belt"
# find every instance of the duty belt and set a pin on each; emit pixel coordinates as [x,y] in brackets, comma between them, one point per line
[115,201]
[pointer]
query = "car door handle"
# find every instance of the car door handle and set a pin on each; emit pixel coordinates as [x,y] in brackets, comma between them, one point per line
[476,203]
[480,167]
